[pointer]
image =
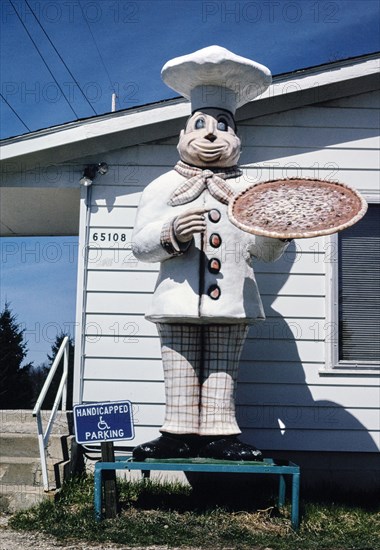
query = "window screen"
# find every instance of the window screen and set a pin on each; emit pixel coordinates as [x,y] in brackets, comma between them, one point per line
[359,289]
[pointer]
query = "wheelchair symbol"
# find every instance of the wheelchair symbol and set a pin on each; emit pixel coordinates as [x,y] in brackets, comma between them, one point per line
[102,425]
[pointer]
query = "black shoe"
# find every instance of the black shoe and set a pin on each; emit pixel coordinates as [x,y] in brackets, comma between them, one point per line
[230,448]
[165,446]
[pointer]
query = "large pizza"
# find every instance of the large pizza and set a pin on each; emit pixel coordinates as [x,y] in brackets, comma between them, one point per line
[296,208]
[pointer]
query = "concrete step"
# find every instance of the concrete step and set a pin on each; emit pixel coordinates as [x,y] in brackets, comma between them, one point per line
[20,471]
[27,471]
[22,421]
[21,498]
[26,445]
[20,467]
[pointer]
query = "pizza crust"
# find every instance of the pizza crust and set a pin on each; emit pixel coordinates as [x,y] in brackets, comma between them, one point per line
[296,208]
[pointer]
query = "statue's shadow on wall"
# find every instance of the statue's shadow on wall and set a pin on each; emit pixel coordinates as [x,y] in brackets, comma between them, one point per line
[276,407]
[278,414]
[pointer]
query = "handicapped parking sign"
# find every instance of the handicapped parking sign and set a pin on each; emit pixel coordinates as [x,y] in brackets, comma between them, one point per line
[100,422]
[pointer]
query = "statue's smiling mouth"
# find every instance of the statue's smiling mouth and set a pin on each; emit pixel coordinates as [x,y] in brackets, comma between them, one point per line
[208,150]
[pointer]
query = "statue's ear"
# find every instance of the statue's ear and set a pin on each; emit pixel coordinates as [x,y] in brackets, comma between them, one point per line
[182,133]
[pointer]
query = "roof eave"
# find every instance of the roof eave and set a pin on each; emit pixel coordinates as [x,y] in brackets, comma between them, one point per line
[164,119]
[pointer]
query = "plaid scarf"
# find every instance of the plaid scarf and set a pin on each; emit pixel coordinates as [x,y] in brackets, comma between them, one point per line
[199,180]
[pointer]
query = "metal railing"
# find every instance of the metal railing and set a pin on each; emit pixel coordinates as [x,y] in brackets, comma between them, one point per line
[43,437]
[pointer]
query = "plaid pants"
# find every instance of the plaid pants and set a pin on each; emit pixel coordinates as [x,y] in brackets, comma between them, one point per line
[200,369]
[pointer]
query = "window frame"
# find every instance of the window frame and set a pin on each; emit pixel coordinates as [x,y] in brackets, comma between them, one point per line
[333,365]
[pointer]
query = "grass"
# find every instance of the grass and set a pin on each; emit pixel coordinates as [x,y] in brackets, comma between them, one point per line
[174,515]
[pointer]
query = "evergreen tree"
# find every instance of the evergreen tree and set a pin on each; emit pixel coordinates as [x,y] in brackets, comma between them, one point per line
[49,401]
[15,389]
[37,376]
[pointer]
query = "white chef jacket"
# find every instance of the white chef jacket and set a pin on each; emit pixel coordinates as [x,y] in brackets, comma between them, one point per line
[211,279]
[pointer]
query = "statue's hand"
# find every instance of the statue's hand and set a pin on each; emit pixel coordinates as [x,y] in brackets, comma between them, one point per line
[189,222]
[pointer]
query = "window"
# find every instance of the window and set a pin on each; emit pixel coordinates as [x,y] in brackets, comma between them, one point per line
[354,296]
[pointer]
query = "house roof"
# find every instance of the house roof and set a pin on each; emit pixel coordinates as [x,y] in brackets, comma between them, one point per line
[51,207]
[163,119]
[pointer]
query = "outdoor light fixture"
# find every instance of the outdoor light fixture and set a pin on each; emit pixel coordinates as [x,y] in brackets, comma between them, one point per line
[91,171]
[102,168]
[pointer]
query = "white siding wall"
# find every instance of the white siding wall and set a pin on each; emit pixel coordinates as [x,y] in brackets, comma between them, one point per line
[283,401]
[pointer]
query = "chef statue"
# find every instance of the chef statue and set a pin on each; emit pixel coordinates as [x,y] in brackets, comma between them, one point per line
[206,294]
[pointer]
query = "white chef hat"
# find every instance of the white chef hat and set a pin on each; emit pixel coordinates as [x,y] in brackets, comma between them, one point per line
[216,77]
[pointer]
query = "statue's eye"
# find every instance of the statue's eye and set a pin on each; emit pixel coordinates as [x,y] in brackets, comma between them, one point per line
[200,123]
[222,125]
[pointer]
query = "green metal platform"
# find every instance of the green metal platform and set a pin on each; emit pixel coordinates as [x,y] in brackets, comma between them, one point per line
[267,466]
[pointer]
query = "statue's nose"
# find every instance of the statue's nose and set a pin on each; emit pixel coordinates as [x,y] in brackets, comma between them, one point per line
[211,137]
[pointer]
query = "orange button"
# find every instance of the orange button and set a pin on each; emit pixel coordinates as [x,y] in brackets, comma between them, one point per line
[214,265]
[215,240]
[214,215]
[214,292]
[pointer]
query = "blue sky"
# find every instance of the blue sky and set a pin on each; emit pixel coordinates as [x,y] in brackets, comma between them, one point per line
[122,45]
[111,45]
[38,280]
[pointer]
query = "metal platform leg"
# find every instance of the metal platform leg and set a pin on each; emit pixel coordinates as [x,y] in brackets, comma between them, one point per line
[295,500]
[98,493]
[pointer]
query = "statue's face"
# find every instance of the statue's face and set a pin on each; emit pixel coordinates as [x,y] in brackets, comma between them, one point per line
[209,140]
